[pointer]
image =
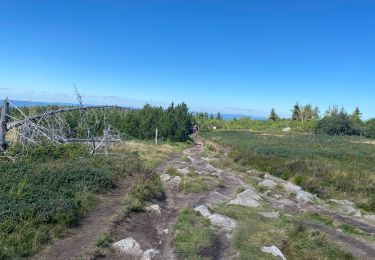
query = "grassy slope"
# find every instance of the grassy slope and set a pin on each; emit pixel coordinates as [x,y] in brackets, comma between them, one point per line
[328,166]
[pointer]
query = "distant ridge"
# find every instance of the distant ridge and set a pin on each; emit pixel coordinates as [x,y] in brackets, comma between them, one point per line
[22,103]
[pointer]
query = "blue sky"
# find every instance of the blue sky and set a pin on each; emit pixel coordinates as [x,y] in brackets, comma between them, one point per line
[231,56]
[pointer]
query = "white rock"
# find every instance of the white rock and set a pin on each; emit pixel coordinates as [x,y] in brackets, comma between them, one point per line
[287,129]
[218,174]
[149,254]
[203,210]
[273,214]
[271,177]
[183,171]
[304,196]
[290,187]
[166,231]
[176,180]
[154,208]
[347,207]
[129,246]
[247,198]
[222,221]
[165,177]
[274,251]
[267,184]
[369,217]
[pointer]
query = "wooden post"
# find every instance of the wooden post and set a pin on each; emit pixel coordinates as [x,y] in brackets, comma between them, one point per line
[156,136]
[105,142]
[3,128]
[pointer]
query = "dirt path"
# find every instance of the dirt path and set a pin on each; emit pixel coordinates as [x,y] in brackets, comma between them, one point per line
[80,239]
[154,231]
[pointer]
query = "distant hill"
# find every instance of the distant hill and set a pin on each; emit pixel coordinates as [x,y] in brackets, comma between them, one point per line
[238,116]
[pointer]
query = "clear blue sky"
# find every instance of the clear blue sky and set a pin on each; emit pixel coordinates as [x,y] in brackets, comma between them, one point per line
[233,56]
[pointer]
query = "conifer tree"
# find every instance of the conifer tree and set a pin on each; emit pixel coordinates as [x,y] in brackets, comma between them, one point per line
[273,116]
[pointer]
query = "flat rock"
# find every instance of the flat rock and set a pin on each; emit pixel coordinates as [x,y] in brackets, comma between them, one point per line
[216,219]
[222,221]
[305,197]
[290,187]
[369,217]
[203,210]
[150,254]
[165,177]
[272,214]
[155,208]
[176,180]
[267,184]
[347,207]
[247,198]
[183,171]
[271,177]
[129,246]
[286,202]
[274,251]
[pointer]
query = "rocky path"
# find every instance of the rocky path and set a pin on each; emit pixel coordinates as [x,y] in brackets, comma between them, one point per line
[154,230]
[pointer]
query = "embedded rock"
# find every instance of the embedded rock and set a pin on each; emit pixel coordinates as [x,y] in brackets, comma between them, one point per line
[247,198]
[165,177]
[129,246]
[150,254]
[267,184]
[272,214]
[274,251]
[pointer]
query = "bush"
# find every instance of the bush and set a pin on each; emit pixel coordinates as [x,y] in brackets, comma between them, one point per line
[340,124]
[369,128]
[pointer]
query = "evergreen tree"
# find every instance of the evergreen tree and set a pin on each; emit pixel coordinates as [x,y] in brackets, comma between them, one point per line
[218,116]
[273,116]
[296,112]
[357,115]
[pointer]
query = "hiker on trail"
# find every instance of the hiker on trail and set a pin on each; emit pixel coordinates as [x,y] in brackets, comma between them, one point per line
[195,130]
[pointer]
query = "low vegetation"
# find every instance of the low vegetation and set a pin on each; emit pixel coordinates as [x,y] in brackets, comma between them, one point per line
[192,234]
[50,190]
[328,166]
[255,231]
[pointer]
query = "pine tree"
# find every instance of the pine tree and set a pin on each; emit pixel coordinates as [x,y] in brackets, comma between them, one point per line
[218,116]
[273,116]
[296,112]
[357,115]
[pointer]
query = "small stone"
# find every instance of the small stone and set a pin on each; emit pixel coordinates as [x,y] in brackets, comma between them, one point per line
[287,129]
[191,158]
[274,251]
[273,214]
[165,177]
[176,180]
[150,254]
[247,198]
[222,221]
[129,246]
[267,184]
[183,171]
[166,231]
[205,212]
[154,208]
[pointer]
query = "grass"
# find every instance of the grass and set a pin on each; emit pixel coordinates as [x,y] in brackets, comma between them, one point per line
[151,154]
[331,167]
[192,234]
[50,191]
[255,231]
[196,184]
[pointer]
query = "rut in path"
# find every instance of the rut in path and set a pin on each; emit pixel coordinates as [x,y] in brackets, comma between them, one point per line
[81,238]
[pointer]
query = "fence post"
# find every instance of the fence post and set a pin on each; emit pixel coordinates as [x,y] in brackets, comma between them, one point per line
[156,136]
[4,120]
[105,142]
